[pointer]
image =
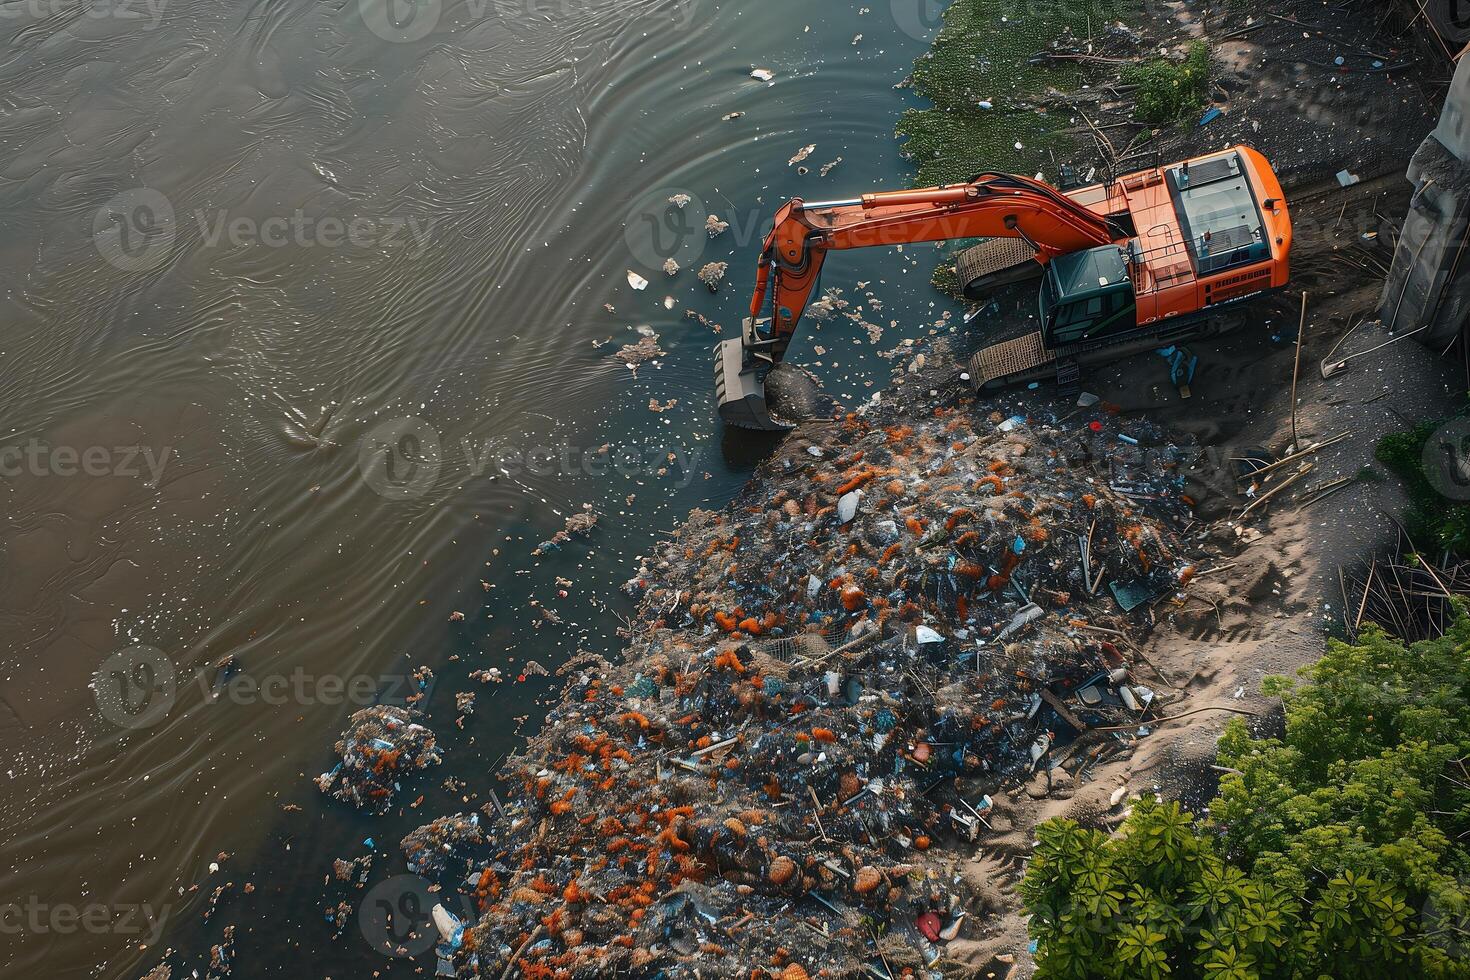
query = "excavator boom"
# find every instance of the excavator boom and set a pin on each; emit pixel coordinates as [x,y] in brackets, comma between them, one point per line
[1148,217]
[991,206]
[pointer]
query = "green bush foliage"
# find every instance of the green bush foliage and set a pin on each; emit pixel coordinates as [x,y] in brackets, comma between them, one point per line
[1431,519]
[1169,91]
[1337,851]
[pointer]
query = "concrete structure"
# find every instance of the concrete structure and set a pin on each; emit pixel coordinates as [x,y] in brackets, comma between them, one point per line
[1428,284]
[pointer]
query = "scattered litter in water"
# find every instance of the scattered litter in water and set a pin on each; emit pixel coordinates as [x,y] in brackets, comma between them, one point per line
[381,746]
[712,274]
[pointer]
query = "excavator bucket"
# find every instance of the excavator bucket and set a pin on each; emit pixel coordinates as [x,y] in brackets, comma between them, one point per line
[740,392]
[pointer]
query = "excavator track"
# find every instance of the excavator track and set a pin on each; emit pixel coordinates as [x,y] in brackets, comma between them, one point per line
[1016,356]
[1024,359]
[993,263]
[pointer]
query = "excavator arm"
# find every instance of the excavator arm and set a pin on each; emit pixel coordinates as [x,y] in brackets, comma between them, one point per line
[990,206]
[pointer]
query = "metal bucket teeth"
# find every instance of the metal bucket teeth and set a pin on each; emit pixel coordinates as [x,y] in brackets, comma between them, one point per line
[740,393]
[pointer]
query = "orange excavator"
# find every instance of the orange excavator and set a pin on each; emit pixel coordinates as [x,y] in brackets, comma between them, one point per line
[1131,264]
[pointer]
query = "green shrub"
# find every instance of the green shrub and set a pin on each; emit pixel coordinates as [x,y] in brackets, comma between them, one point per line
[1338,850]
[1170,90]
[1432,519]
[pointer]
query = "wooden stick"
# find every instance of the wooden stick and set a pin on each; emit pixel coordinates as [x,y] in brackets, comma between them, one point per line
[1326,490]
[813,661]
[815,815]
[1183,714]
[1296,368]
[1367,584]
[1306,468]
[1096,629]
[1061,709]
[715,747]
[529,940]
[1314,447]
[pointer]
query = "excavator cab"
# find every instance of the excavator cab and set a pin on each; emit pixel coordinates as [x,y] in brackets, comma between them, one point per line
[1085,296]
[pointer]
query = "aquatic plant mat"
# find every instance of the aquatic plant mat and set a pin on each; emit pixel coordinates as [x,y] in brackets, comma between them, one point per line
[990,91]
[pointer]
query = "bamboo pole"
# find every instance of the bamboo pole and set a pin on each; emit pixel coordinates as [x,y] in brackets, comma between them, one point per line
[1296,368]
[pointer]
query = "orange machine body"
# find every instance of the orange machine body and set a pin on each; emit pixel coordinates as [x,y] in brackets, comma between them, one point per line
[1192,235]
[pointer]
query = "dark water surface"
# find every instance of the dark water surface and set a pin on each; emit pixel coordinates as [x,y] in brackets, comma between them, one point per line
[244,247]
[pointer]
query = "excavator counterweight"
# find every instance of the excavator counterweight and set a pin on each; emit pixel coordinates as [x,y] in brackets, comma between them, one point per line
[1131,263]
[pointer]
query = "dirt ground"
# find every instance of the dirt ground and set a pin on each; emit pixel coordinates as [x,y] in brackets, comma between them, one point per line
[1267,601]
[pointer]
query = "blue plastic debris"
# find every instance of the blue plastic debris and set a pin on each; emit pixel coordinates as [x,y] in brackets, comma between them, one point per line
[1181,364]
[1018,545]
[1211,114]
[368,843]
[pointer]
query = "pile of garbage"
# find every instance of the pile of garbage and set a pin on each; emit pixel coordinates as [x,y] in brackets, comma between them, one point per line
[911,610]
[444,849]
[381,744]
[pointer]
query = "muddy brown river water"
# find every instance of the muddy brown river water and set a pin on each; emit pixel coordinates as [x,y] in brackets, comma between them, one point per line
[305,348]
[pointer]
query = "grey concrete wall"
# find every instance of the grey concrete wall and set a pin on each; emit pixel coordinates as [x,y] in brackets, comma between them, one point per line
[1428,284]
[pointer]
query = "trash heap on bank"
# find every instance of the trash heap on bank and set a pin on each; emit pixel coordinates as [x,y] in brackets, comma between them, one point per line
[910,611]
